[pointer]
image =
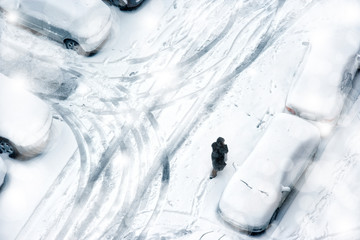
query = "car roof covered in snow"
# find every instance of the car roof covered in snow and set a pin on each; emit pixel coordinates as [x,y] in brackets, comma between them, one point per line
[281,155]
[317,91]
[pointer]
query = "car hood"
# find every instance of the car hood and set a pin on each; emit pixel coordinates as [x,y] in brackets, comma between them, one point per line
[249,205]
[314,101]
[23,115]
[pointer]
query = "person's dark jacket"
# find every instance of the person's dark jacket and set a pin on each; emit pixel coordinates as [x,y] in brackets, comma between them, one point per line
[218,155]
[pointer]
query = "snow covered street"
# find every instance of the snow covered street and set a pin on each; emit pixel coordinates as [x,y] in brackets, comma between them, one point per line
[130,153]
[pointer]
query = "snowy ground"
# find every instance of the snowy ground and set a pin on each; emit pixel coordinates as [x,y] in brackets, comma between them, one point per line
[28,181]
[171,78]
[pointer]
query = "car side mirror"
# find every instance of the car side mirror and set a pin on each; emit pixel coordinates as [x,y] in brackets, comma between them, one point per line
[285,189]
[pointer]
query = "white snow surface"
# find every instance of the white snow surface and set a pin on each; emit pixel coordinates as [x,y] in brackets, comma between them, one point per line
[172,77]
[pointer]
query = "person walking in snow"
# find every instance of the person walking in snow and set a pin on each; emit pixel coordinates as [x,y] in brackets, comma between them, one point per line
[218,156]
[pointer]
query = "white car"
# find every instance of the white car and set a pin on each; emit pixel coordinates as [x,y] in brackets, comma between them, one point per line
[321,86]
[253,195]
[82,25]
[3,171]
[25,121]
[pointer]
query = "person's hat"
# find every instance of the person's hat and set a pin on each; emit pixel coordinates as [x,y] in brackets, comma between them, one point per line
[220,140]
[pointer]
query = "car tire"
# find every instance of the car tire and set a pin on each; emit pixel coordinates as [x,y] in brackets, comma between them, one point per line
[72,45]
[2,187]
[124,7]
[274,216]
[7,147]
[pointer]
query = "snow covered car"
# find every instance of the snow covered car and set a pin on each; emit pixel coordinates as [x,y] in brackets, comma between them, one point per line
[319,91]
[3,171]
[126,4]
[25,121]
[252,197]
[82,25]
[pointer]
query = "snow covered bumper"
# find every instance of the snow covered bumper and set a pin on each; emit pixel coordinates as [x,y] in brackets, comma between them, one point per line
[95,41]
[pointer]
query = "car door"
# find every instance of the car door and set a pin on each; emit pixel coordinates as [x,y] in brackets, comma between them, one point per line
[58,22]
[350,70]
[295,169]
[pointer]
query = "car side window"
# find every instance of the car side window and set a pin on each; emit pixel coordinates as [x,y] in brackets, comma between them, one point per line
[346,81]
[349,73]
[294,170]
[33,8]
[57,12]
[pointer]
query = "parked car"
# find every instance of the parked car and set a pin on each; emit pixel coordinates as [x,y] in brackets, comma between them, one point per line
[25,121]
[126,4]
[81,25]
[321,86]
[3,171]
[255,192]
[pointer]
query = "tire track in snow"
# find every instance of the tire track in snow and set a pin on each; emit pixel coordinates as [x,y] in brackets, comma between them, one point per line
[131,214]
[84,141]
[195,57]
[102,199]
[124,187]
[48,199]
[95,205]
[84,197]
[161,161]
[206,48]
[161,199]
[86,151]
[192,59]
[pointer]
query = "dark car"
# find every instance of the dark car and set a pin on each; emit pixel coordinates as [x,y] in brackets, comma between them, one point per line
[126,4]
